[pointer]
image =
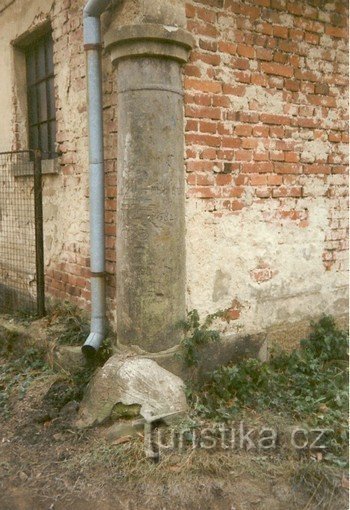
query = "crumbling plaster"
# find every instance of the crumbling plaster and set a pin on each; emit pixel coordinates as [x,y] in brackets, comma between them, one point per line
[223,251]
[65,203]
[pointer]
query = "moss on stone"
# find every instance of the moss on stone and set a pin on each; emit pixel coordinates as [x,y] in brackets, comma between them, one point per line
[123,411]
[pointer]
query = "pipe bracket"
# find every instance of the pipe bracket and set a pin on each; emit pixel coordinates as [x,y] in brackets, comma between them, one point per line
[101,274]
[95,46]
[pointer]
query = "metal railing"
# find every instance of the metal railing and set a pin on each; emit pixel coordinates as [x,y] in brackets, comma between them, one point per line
[22,284]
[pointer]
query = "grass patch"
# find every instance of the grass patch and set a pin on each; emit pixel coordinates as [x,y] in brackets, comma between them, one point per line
[310,384]
[321,482]
[21,363]
[72,325]
[27,353]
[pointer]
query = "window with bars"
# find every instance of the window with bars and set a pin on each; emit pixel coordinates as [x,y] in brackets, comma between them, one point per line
[41,96]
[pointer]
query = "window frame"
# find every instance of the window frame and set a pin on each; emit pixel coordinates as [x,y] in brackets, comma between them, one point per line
[40,89]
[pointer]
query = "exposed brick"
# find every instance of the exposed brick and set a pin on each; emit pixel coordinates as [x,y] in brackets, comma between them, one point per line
[301,74]
[322,88]
[208,127]
[191,125]
[227,47]
[199,166]
[205,179]
[203,29]
[295,192]
[258,180]
[242,77]
[231,142]
[243,130]
[206,14]
[203,139]
[320,100]
[277,69]
[261,156]
[190,11]
[265,28]
[240,63]
[223,179]
[276,131]
[203,86]
[208,45]
[193,70]
[296,8]
[312,38]
[280,57]
[243,155]
[287,168]
[203,113]
[277,156]
[309,25]
[262,273]
[259,79]
[257,167]
[264,54]
[261,131]
[274,180]
[317,169]
[238,90]
[245,51]
[337,32]
[252,12]
[208,58]
[279,31]
[291,157]
[274,119]
[248,117]
[204,192]
[278,4]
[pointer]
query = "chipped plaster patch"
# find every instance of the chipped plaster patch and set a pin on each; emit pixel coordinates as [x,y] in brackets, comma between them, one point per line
[234,244]
[315,150]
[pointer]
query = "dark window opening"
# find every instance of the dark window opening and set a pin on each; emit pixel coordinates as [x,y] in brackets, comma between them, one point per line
[41,96]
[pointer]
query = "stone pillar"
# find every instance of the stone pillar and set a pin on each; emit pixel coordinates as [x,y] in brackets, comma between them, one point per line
[150,199]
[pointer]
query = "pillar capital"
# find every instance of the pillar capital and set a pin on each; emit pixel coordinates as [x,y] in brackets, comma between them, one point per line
[149,40]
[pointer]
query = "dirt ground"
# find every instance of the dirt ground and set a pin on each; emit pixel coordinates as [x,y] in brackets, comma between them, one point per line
[46,464]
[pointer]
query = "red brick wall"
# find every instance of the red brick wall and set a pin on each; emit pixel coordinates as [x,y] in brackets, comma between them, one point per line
[265,106]
[266,78]
[68,273]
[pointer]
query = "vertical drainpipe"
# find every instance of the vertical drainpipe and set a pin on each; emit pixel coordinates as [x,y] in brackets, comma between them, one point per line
[93,48]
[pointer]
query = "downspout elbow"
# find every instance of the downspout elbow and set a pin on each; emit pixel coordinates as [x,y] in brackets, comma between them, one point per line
[92,344]
[95,8]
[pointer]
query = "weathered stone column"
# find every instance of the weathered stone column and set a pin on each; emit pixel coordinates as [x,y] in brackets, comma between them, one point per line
[150,208]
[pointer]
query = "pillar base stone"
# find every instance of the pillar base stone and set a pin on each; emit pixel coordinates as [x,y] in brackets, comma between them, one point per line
[131,383]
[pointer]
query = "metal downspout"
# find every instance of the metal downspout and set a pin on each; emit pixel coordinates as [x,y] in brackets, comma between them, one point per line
[93,48]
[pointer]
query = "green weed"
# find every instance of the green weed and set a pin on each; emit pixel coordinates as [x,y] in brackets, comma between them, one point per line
[73,324]
[197,335]
[17,374]
[309,384]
